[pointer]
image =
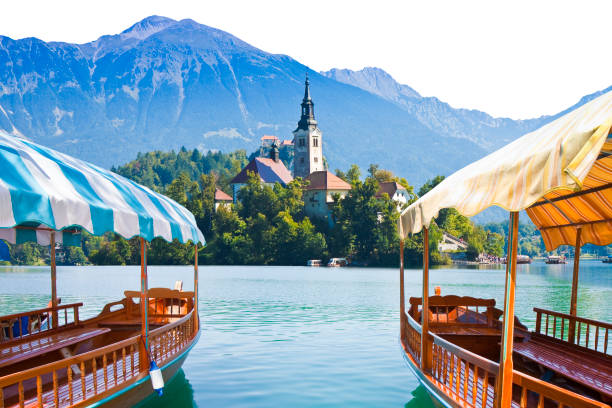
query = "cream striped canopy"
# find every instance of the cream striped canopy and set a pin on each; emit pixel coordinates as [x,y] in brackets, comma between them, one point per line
[42,190]
[561,174]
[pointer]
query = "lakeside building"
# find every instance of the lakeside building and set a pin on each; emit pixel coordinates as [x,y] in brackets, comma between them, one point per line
[270,171]
[395,191]
[319,194]
[222,199]
[307,140]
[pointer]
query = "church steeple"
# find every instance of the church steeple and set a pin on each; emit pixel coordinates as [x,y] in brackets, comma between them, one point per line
[307,108]
[307,143]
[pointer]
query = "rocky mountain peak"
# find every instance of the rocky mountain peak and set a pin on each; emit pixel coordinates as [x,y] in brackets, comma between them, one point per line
[147,27]
[374,80]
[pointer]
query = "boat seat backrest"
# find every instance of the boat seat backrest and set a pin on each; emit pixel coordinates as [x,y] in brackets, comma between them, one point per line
[161,293]
[167,301]
[446,306]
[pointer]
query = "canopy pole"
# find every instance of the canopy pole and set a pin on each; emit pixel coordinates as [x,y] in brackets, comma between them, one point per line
[402,301]
[53,282]
[504,379]
[144,307]
[426,355]
[195,290]
[574,299]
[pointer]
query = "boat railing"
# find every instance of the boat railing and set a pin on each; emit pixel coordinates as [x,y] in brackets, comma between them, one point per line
[77,379]
[587,333]
[413,338]
[38,322]
[537,393]
[168,340]
[470,378]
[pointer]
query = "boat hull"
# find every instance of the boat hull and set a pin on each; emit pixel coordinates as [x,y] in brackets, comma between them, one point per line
[135,393]
[438,398]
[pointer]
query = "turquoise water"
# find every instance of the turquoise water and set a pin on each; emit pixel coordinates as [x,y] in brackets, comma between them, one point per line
[303,337]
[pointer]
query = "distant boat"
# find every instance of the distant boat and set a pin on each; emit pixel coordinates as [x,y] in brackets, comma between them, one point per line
[337,262]
[555,259]
[314,262]
[608,259]
[520,259]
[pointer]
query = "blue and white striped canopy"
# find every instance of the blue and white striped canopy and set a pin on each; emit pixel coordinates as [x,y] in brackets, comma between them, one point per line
[40,186]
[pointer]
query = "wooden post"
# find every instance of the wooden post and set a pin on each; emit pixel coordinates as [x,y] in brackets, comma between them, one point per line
[54,316]
[401,282]
[195,290]
[571,335]
[144,308]
[426,356]
[503,386]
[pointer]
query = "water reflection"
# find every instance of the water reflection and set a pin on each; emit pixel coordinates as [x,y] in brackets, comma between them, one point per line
[178,393]
[422,399]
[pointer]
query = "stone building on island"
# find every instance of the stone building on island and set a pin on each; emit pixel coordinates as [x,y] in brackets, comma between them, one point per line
[270,171]
[319,193]
[307,163]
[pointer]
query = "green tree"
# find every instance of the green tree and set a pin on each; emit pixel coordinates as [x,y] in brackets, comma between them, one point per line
[28,253]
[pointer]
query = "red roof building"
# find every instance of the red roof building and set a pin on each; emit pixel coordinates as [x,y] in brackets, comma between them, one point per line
[324,180]
[222,196]
[395,191]
[222,199]
[320,191]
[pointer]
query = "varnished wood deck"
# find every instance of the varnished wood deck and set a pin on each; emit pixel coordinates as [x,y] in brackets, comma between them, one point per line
[589,369]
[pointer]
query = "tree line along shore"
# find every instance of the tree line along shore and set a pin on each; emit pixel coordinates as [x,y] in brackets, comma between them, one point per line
[267,226]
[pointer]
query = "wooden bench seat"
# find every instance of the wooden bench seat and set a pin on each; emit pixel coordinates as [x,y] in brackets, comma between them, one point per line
[22,351]
[584,368]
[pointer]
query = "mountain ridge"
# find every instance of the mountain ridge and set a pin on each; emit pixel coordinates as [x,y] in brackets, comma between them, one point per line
[161,84]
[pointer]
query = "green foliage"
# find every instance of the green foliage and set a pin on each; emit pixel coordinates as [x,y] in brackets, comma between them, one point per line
[28,253]
[74,256]
[277,233]
[158,169]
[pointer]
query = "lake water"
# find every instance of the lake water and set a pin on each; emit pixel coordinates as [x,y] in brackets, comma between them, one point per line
[303,337]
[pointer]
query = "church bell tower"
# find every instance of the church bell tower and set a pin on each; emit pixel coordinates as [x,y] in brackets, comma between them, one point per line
[307,140]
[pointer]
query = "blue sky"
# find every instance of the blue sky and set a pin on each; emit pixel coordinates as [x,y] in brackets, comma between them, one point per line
[509,58]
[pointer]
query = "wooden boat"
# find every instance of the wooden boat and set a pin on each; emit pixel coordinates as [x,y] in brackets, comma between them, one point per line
[468,353]
[52,357]
[314,262]
[555,259]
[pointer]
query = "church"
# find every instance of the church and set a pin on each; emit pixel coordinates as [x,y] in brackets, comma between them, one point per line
[308,164]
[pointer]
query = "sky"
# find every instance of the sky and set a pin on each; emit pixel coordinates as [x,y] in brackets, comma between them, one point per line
[517,59]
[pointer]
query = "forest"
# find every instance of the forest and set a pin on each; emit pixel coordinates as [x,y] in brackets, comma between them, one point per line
[268,226]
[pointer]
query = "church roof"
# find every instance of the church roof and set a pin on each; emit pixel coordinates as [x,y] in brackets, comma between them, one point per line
[389,187]
[269,171]
[324,180]
[221,196]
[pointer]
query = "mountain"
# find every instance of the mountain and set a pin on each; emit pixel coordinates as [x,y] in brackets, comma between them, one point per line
[478,127]
[162,84]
